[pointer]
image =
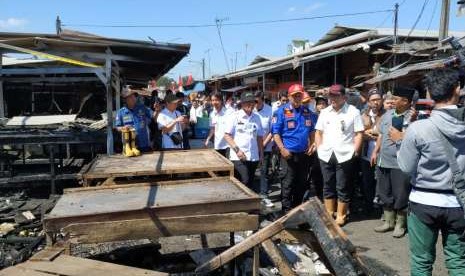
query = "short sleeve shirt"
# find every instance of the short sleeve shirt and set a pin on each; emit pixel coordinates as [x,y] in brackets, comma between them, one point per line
[218,120]
[165,118]
[294,125]
[338,128]
[387,157]
[245,130]
[265,115]
[139,117]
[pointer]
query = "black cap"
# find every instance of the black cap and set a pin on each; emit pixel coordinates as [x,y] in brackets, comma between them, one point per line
[180,95]
[170,98]
[374,91]
[404,92]
[247,97]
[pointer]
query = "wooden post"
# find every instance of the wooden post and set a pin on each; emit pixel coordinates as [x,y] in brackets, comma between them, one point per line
[278,258]
[256,261]
[52,170]
[2,104]
[109,104]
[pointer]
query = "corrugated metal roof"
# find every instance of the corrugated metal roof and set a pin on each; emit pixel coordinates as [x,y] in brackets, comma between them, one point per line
[396,73]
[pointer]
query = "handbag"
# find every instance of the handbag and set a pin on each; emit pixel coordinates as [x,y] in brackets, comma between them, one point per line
[176,137]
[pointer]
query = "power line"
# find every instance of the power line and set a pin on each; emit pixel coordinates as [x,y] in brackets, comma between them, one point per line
[246,23]
[219,23]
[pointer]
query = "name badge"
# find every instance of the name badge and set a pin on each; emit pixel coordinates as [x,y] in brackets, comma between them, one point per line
[290,124]
[308,123]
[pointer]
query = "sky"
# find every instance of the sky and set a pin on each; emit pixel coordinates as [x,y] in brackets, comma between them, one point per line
[241,43]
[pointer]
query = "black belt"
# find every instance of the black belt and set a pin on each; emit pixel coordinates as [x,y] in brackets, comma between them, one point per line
[437,191]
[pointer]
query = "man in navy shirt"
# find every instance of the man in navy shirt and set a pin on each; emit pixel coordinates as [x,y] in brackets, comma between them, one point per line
[133,122]
[293,127]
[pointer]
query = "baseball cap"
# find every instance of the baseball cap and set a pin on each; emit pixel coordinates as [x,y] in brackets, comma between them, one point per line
[306,98]
[247,97]
[294,89]
[374,91]
[337,90]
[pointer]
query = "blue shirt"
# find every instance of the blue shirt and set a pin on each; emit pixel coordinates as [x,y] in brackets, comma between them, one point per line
[294,126]
[139,117]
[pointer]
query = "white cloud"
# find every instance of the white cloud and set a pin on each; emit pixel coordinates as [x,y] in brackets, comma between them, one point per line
[12,23]
[291,9]
[314,7]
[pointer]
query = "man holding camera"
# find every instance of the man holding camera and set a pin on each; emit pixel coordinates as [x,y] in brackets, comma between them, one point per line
[171,122]
[430,151]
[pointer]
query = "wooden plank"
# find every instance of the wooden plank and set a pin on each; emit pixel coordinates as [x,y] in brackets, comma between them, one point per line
[47,254]
[156,163]
[278,258]
[341,260]
[20,271]
[256,261]
[294,217]
[73,266]
[40,120]
[107,231]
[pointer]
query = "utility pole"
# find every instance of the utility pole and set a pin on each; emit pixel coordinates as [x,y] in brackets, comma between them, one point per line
[245,55]
[209,64]
[396,37]
[218,23]
[203,68]
[444,21]
[58,25]
[235,61]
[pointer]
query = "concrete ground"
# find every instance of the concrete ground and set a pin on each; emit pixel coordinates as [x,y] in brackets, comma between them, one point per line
[389,255]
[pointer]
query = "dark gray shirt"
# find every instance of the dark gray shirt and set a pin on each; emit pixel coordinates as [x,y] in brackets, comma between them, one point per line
[387,157]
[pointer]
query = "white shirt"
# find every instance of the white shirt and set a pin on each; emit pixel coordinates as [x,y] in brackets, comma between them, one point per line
[265,115]
[195,112]
[165,118]
[218,120]
[338,128]
[245,130]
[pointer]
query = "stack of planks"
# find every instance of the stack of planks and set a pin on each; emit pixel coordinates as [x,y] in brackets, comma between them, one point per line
[324,237]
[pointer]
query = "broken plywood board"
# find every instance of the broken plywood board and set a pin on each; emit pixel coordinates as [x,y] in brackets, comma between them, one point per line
[157,163]
[24,121]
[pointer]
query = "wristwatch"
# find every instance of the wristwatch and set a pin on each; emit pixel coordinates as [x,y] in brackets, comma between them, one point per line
[236,149]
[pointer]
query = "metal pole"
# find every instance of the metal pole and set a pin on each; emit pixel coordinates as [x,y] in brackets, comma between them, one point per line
[2,104]
[444,22]
[109,104]
[52,170]
[303,74]
[203,68]
[396,20]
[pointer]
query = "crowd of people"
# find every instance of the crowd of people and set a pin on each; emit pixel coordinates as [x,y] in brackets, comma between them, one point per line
[333,146]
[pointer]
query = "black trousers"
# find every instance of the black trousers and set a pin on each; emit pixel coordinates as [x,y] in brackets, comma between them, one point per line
[315,176]
[368,182]
[337,179]
[294,183]
[393,187]
[245,172]
[224,152]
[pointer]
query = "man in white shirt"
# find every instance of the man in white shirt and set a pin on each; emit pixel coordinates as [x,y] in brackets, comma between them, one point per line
[282,100]
[338,140]
[244,134]
[264,112]
[218,120]
[171,122]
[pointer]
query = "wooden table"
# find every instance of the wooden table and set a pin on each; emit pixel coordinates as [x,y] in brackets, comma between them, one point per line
[158,163]
[153,209]
[51,261]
